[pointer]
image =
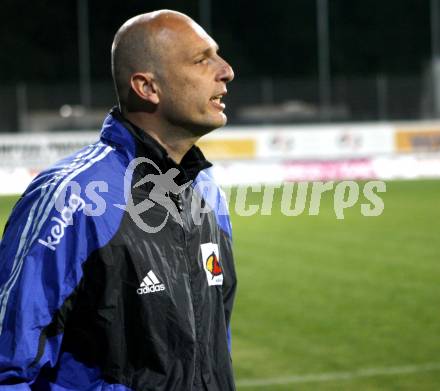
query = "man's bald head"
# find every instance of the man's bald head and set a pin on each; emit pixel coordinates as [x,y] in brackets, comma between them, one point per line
[138,46]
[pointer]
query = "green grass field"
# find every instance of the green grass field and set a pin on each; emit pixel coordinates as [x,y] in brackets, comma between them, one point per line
[320,296]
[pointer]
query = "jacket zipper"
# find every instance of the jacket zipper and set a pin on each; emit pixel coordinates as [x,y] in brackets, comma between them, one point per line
[197,368]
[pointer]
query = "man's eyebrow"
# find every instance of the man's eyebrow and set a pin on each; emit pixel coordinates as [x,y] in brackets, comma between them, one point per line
[208,50]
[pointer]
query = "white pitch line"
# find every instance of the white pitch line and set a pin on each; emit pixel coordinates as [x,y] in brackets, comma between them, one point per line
[323,377]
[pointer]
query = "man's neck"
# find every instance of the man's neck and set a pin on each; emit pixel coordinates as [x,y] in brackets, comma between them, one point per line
[177,142]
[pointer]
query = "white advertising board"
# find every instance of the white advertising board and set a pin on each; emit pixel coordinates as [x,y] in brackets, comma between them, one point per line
[255,155]
[37,151]
[313,141]
[384,168]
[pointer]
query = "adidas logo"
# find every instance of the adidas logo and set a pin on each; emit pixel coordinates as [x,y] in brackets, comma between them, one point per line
[150,284]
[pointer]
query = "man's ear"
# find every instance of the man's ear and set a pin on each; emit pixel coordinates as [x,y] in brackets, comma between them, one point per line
[144,85]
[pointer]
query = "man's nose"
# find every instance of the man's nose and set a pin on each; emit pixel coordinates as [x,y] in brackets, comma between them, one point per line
[225,73]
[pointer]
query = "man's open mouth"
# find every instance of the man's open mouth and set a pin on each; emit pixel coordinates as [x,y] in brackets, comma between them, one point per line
[217,98]
[217,101]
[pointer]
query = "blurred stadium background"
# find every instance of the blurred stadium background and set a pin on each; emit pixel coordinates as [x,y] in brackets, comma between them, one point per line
[325,90]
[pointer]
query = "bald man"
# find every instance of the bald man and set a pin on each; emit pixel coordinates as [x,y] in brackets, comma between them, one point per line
[169,78]
[116,266]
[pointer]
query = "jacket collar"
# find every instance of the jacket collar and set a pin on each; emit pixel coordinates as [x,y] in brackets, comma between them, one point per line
[192,163]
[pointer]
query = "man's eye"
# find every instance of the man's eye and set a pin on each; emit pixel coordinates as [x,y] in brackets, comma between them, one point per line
[202,61]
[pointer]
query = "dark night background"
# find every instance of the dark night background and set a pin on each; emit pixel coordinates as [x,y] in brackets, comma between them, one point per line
[39,38]
[380,58]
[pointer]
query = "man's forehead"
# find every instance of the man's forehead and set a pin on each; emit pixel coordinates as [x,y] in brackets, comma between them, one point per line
[203,34]
[185,34]
[204,44]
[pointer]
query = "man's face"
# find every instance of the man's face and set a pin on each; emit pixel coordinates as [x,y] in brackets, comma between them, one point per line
[192,79]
